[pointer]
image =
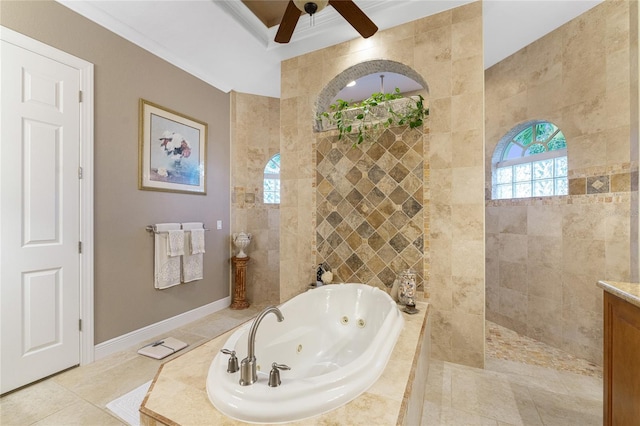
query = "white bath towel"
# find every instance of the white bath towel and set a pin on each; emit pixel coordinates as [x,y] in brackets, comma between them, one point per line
[167,269]
[192,264]
[175,242]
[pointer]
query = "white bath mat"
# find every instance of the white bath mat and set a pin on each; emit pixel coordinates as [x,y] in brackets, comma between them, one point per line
[126,407]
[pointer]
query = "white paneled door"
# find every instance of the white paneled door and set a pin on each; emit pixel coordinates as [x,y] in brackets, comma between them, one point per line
[39,216]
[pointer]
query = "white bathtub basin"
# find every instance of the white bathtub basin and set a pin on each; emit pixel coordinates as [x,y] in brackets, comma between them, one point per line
[337,340]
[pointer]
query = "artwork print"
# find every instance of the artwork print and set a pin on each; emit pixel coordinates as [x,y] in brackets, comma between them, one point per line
[172,151]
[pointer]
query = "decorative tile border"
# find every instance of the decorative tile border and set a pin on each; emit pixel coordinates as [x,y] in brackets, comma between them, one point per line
[594,185]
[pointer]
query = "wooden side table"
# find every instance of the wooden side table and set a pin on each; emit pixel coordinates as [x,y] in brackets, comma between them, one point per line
[239,291]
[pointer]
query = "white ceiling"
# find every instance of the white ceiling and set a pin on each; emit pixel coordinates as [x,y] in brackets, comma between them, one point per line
[224,44]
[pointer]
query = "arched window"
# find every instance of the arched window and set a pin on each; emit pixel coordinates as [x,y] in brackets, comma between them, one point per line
[530,161]
[271,186]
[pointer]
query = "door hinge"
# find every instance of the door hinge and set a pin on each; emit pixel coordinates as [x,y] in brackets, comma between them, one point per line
[80,324]
[80,247]
[80,96]
[79,172]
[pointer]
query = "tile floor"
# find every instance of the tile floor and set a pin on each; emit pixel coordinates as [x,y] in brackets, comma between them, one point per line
[525,382]
[506,392]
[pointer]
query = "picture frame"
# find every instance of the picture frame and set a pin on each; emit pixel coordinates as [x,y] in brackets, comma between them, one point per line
[172,151]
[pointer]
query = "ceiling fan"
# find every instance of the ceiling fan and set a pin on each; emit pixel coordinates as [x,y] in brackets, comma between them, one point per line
[347,8]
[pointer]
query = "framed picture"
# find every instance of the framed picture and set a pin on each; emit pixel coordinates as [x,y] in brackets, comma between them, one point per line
[172,151]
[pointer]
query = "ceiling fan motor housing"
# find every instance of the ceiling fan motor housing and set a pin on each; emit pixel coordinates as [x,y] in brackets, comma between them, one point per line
[310,8]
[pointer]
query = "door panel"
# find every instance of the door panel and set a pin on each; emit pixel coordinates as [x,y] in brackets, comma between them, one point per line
[39,217]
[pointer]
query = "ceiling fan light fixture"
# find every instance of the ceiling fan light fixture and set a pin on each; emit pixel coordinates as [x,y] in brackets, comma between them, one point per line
[311,7]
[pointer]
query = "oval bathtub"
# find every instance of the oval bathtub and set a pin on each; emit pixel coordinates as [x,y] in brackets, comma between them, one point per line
[337,340]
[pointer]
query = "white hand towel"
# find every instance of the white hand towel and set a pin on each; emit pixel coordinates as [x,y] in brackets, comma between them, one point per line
[197,241]
[193,264]
[167,269]
[176,242]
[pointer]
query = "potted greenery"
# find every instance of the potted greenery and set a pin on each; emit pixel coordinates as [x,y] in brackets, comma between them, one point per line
[379,111]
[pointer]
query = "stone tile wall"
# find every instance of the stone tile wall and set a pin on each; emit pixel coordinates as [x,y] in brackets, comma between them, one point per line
[447,51]
[545,255]
[370,221]
[255,138]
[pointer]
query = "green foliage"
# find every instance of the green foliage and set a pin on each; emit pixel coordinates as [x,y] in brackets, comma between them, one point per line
[363,118]
[536,148]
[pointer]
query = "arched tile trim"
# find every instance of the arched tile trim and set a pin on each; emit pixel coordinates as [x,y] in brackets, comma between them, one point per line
[360,70]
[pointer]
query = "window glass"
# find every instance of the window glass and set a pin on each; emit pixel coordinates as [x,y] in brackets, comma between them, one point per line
[271,183]
[533,163]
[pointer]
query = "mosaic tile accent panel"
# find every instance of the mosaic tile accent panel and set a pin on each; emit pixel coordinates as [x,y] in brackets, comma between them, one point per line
[370,214]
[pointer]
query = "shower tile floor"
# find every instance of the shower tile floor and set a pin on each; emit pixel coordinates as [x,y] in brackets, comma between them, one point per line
[524,383]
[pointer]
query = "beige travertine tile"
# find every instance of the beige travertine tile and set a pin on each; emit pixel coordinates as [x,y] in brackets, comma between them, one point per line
[513,276]
[565,410]
[544,281]
[465,261]
[468,332]
[617,265]
[441,151]
[513,220]
[465,41]
[467,221]
[464,108]
[467,186]
[499,399]
[513,248]
[544,319]
[492,246]
[434,414]
[28,405]
[513,304]
[544,220]
[81,413]
[467,295]
[545,251]
[118,380]
[464,75]
[440,113]
[583,221]
[584,256]
[492,220]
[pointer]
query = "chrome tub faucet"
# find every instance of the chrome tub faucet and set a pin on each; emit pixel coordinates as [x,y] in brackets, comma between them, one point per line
[248,374]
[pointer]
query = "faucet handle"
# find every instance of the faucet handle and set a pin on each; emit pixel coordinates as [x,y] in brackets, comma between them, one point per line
[232,365]
[274,375]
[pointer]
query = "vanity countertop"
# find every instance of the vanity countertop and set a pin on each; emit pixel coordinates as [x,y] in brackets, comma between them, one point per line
[627,291]
[178,393]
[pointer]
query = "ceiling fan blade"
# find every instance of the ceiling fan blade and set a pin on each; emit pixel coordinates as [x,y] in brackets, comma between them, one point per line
[288,23]
[355,16]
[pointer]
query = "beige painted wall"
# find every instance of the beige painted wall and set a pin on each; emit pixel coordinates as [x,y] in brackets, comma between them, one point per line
[125,299]
[255,138]
[446,49]
[545,255]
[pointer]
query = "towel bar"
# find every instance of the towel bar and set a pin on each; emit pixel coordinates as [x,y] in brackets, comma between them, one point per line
[152,228]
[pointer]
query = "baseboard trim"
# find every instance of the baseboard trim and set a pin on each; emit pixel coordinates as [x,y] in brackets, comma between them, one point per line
[136,337]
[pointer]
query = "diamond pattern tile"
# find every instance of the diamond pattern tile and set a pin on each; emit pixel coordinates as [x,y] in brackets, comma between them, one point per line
[375,174]
[354,197]
[354,175]
[411,207]
[365,230]
[399,195]
[399,242]
[399,172]
[369,212]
